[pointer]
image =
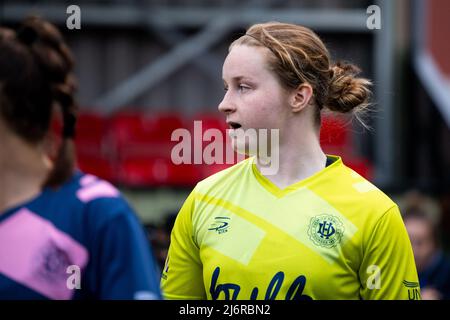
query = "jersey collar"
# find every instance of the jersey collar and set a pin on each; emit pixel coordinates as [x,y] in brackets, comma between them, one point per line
[267,184]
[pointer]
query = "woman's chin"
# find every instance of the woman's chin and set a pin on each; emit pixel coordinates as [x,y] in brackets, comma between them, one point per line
[243,148]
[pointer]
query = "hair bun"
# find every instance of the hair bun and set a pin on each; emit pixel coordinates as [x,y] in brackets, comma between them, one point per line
[346,91]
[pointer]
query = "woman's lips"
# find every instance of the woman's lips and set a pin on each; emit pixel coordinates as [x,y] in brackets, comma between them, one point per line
[234,125]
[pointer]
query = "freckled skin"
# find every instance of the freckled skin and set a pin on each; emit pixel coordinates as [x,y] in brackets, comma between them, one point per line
[254,97]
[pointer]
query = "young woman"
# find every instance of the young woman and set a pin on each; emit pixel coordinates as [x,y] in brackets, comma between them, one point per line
[314,229]
[63,234]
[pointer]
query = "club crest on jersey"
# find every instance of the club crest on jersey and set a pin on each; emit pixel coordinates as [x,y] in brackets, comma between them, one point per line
[220,225]
[325,230]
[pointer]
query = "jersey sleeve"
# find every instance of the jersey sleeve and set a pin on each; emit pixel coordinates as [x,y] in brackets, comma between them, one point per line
[125,265]
[388,270]
[182,276]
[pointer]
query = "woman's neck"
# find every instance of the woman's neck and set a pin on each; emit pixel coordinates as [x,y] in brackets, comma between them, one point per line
[23,170]
[300,156]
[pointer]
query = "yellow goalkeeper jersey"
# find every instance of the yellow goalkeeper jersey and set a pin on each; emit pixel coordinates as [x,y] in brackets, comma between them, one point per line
[333,235]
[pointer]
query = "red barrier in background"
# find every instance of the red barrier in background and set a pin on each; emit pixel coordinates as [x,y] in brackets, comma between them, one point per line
[93,146]
[134,149]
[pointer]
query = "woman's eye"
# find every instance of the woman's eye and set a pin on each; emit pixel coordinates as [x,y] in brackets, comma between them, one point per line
[242,87]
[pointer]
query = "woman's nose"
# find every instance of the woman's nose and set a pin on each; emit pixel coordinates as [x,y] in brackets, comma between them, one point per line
[226,106]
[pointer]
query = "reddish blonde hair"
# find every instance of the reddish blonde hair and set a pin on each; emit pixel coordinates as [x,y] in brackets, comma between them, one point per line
[299,56]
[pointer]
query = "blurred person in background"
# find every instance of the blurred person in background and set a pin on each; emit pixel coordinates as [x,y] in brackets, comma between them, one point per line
[63,234]
[159,237]
[416,200]
[315,229]
[432,264]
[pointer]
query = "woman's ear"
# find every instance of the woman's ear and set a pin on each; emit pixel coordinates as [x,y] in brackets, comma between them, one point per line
[301,97]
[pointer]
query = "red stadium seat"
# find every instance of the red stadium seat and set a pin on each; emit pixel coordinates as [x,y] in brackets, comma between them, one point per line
[153,172]
[211,121]
[134,149]
[334,132]
[138,135]
[336,139]
[143,148]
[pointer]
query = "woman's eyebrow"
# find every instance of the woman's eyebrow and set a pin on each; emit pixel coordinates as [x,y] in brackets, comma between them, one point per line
[239,78]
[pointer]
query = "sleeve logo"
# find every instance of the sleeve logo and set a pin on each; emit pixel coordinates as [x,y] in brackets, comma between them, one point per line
[220,225]
[413,290]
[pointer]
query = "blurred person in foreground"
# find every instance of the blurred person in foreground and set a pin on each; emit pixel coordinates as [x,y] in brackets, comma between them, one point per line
[432,263]
[63,234]
[314,228]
